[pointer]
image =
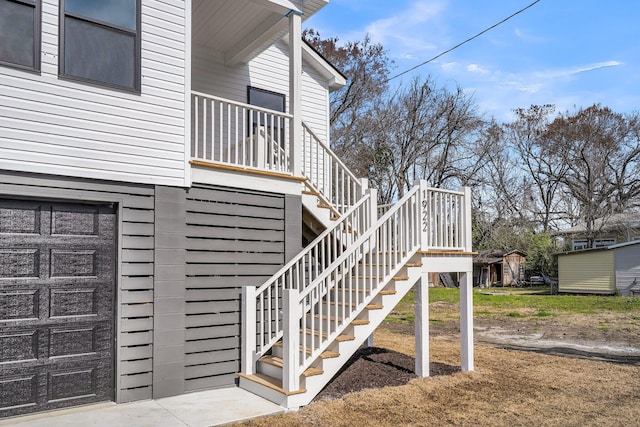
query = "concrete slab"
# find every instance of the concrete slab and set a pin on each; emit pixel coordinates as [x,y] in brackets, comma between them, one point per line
[200,409]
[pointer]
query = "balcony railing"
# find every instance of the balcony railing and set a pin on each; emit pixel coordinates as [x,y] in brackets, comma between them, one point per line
[238,134]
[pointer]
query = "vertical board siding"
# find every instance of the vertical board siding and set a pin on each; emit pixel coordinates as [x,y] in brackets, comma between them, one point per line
[57,126]
[235,238]
[136,243]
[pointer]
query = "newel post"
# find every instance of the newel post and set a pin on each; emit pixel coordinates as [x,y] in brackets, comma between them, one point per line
[468,241]
[248,354]
[291,340]
[295,92]
[423,217]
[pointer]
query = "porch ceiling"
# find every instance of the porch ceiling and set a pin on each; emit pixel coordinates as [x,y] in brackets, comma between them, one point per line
[242,29]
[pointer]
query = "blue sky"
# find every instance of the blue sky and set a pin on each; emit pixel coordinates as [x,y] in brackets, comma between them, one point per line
[571,53]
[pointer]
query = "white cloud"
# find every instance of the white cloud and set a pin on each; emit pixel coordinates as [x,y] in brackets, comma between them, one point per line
[475,68]
[411,30]
[568,72]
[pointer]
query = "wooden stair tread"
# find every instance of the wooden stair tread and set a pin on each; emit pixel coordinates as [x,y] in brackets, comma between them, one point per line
[360,322]
[324,206]
[339,338]
[374,307]
[270,382]
[278,363]
[311,372]
[310,192]
[388,292]
[329,354]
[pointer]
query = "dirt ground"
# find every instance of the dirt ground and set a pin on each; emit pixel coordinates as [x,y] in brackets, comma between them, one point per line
[553,371]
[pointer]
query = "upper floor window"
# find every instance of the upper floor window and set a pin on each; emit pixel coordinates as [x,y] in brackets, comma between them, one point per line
[20,38]
[100,42]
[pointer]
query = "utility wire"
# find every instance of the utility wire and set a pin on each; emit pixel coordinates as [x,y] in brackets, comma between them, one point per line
[462,43]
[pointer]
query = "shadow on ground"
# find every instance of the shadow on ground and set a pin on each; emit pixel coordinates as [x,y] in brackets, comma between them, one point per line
[376,367]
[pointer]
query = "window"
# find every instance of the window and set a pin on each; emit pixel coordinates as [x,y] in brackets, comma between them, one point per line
[20,39]
[273,101]
[100,42]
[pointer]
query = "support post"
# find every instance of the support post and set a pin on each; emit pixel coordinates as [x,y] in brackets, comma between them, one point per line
[370,340]
[248,365]
[295,92]
[466,320]
[290,340]
[422,325]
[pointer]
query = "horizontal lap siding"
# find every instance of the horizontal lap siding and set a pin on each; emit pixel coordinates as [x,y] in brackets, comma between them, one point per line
[57,126]
[589,272]
[269,70]
[136,243]
[234,239]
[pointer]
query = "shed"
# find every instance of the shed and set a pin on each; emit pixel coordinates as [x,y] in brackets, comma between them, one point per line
[500,267]
[609,270]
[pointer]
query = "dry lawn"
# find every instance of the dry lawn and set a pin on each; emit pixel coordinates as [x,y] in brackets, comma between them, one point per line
[508,388]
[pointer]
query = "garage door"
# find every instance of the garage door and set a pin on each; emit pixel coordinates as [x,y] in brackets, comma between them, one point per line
[57,292]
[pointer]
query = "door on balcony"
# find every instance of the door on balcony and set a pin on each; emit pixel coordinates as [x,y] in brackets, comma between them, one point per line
[273,126]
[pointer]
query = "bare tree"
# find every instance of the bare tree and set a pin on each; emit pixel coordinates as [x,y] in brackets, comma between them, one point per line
[602,157]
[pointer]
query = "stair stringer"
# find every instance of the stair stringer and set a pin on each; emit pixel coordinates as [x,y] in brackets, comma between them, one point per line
[347,349]
[311,386]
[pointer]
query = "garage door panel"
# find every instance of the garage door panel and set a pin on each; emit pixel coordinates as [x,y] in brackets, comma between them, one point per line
[20,217]
[19,263]
[57,299]
[19,304]
[19,346]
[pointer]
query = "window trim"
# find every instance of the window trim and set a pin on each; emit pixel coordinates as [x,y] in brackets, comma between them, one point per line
[37,38]
[137,47]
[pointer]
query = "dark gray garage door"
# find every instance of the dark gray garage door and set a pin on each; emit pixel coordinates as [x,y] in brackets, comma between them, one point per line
[57,292]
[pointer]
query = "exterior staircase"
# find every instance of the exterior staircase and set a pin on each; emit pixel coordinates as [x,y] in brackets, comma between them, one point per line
[305,322]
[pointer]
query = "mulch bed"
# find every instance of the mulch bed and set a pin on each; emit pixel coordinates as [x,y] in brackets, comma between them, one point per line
[374,367]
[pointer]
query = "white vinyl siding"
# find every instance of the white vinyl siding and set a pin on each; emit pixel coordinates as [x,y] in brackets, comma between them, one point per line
[270,71]
[587,272]
[63,127]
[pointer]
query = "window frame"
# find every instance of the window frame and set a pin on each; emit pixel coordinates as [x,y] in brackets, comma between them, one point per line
[37,38]
[137,48]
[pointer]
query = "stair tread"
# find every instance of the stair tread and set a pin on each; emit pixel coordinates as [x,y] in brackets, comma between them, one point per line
[339,338]
[278,363]
[360,322]
[374,307]
[324,355]
[388,292]
[270,382]
[310,192]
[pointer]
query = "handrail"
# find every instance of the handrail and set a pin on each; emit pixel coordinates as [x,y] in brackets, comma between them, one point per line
[306,266]
[387,247]
[327,174]
[239,134]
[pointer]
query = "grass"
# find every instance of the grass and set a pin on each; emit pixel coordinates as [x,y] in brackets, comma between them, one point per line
[517,303]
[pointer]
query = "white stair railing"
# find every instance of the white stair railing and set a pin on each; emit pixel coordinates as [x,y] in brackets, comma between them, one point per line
[263,319]
[326,174]
[444,219]
[325,308]
[237,134]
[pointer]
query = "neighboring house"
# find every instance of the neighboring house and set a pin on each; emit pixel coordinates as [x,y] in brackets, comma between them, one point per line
[609,270]
[499,267]
[158,160]
[617,228]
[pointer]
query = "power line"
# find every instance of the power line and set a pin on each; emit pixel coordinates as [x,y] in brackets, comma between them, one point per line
[462,43]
